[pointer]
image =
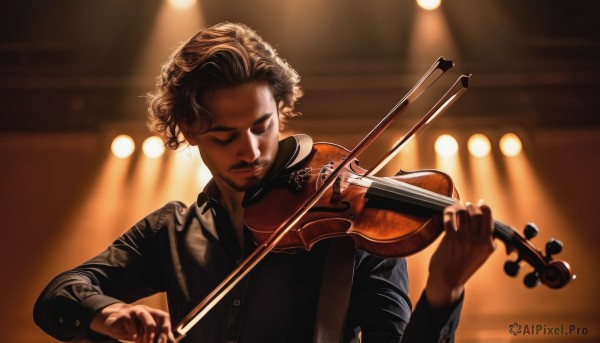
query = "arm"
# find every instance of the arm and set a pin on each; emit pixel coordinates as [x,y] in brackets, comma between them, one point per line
[73,307]
[466,245]
[66,306]
[432,324]
[133,322]
[74,303]
[380,304]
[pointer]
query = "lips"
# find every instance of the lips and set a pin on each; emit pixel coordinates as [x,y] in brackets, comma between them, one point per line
[248,172]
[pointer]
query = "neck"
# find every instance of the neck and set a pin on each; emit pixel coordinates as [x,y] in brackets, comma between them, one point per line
[231,200]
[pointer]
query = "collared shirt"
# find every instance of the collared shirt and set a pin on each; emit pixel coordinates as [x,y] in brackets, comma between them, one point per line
[187,252]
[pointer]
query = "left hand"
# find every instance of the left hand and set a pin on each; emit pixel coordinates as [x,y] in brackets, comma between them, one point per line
[466,245]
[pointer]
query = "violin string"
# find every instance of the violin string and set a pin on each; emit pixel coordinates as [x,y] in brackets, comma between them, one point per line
[424,197]
[414,194]
[421,197]
[505,231]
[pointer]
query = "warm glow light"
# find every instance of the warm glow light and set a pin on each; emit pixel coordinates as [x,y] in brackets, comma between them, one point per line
[204,174]
[187,153]
[479,145]
[153,147]
[182,4]
[122,146]
[446,145]
[510,145]
[429,5]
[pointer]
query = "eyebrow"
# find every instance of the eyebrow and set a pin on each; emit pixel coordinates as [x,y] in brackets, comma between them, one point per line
[262,118]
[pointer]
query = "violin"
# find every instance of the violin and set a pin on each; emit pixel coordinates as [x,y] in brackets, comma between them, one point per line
[318,191]
[385,216]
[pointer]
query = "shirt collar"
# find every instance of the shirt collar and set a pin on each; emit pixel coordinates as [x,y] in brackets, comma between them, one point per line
[210,193]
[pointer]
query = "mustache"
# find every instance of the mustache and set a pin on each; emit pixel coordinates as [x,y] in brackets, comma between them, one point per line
[252,165]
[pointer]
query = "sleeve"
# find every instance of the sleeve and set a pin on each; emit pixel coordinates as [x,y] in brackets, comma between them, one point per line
[380,308]
[379,303]
[428,324]
[67,305]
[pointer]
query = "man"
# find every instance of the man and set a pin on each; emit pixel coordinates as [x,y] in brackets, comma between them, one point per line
[226,91]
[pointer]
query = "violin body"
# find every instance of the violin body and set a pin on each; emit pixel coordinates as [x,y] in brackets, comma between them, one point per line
[378,224]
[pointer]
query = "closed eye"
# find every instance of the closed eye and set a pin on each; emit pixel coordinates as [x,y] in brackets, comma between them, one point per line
[224,135]
[262,128]
[223,138]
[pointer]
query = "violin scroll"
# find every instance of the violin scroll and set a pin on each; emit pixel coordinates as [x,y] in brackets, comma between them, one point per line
[553,274]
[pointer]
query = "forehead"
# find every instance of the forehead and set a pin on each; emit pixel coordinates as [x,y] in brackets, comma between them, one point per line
[235,106]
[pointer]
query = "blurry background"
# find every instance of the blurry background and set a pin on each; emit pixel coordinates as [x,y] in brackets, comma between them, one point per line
[73,75]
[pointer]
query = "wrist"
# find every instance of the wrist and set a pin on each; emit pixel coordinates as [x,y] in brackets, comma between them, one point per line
[440,295]
[99,319]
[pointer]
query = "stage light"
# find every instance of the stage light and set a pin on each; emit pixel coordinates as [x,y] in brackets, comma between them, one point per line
[153,147]
[182,4]
[479,145]
[429,5]
[510,145]
[122,146]
[446,145]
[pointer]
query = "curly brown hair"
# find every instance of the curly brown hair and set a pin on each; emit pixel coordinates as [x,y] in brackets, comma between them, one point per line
[223,55]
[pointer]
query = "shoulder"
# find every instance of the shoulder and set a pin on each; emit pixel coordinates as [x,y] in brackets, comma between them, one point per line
[169,215]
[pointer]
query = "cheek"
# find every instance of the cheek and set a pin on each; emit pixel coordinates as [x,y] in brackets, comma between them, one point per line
[272,142]
[212,157]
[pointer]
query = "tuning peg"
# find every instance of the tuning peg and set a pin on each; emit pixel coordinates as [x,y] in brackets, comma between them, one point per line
[530,230]
[532,279]
[511,268]
[553,247]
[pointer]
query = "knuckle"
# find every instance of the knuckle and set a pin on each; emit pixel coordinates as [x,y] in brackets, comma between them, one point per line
[476,214]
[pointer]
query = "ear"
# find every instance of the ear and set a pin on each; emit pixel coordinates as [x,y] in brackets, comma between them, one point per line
[189,133]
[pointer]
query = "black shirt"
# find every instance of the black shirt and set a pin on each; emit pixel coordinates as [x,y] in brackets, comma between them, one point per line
[187,252]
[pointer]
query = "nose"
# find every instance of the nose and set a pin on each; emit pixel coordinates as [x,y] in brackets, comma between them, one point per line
[249,149]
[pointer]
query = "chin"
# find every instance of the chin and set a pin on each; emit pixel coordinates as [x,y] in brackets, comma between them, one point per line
[251,183]
[243,187]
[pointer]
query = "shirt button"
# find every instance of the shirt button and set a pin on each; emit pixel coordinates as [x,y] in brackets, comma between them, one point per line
[60,320]
[236,302]
[77,322]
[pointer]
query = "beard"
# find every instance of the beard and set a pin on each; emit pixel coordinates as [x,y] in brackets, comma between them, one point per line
[249,182]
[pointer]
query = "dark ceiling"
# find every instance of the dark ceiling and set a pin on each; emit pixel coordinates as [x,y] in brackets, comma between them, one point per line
[70,65]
